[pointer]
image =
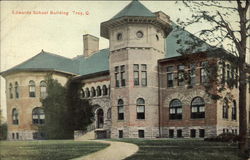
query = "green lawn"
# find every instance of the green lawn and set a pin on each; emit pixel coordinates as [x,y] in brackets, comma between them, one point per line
[47,150]
[183,149]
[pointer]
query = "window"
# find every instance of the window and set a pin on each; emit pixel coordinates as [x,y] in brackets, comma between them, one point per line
[98,90]
[120,133]
[32,89]
[225,109]
[136,74]
[223,73]
[144,75]
[181,78]
[171,133]
[16,90]
[141,133]
[175,109]
[93,94]
[104,90]
[157,37]
[15,116]
[82,93]
[234,111]
[140,108]
[13,135]
[119,36]
[192,133]
[139,34]
[17,135]
[87,92]
[228,71]
[117,83]
[10,91]
[192,75]
[38,116]
[179,133]
[198,108]
[170,76]
[201,133]
[43,89]
[123,82]
[109,113]
[204,72]
[120,110]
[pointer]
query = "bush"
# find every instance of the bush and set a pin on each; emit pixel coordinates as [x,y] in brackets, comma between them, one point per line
[3,131]
[224,137]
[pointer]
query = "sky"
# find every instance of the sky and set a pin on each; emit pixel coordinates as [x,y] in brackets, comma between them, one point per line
[25,35]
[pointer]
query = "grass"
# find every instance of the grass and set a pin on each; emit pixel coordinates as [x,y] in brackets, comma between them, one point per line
[183,149]
[47,150]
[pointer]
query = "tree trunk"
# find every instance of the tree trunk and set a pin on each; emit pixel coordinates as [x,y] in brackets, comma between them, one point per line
[243,111]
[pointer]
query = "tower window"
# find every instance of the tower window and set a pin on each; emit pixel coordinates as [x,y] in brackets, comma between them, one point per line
[181,77]
[204,72]
[119,36]
[99,91]
[139,34]
[225,109]
[123,81]
[144,75]
[136,74]
[120,108]
[234,111]
[140,107]
[117,83]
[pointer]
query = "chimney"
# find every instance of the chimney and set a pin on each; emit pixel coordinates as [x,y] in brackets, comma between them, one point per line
[90,44]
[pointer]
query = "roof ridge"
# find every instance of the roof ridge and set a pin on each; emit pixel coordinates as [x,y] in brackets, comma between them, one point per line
[56,55]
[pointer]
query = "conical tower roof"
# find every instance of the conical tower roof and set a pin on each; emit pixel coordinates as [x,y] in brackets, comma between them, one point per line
[135,8]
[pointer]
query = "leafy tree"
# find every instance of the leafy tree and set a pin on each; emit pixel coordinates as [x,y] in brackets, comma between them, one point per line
[80,111]
[65,111]
[3,131]
[222,32]
[55,111]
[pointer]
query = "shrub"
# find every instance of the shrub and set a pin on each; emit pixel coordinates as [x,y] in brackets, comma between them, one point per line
[224,137]
[3,131]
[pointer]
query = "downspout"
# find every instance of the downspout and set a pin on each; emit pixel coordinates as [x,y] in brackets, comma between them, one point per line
[159,102]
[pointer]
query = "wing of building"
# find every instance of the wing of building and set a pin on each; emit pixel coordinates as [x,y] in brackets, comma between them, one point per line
[141,86]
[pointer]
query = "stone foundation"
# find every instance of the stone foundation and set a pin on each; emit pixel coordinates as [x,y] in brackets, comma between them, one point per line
[21,135]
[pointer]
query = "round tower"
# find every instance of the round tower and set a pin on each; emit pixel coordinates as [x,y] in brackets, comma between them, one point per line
[137,42]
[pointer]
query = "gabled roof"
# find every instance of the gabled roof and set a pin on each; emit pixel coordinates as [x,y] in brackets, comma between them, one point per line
[46,61]
[135,8]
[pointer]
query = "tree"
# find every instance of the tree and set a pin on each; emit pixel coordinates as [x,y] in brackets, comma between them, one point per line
[80,111]
[65,111]
[55,109]
[221,32]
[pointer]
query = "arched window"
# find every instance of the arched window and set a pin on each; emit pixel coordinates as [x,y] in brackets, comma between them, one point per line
[140,108]
[109,113]
[225,109]
[82,93]
[16,90]
[198,108]
[87,92]
[15,117]
[93,94]
[175,109]
[32,89]
[43,89]
[234,111]
[120,109]
[10,91]
[38,116]
[104,90]
[98,90]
